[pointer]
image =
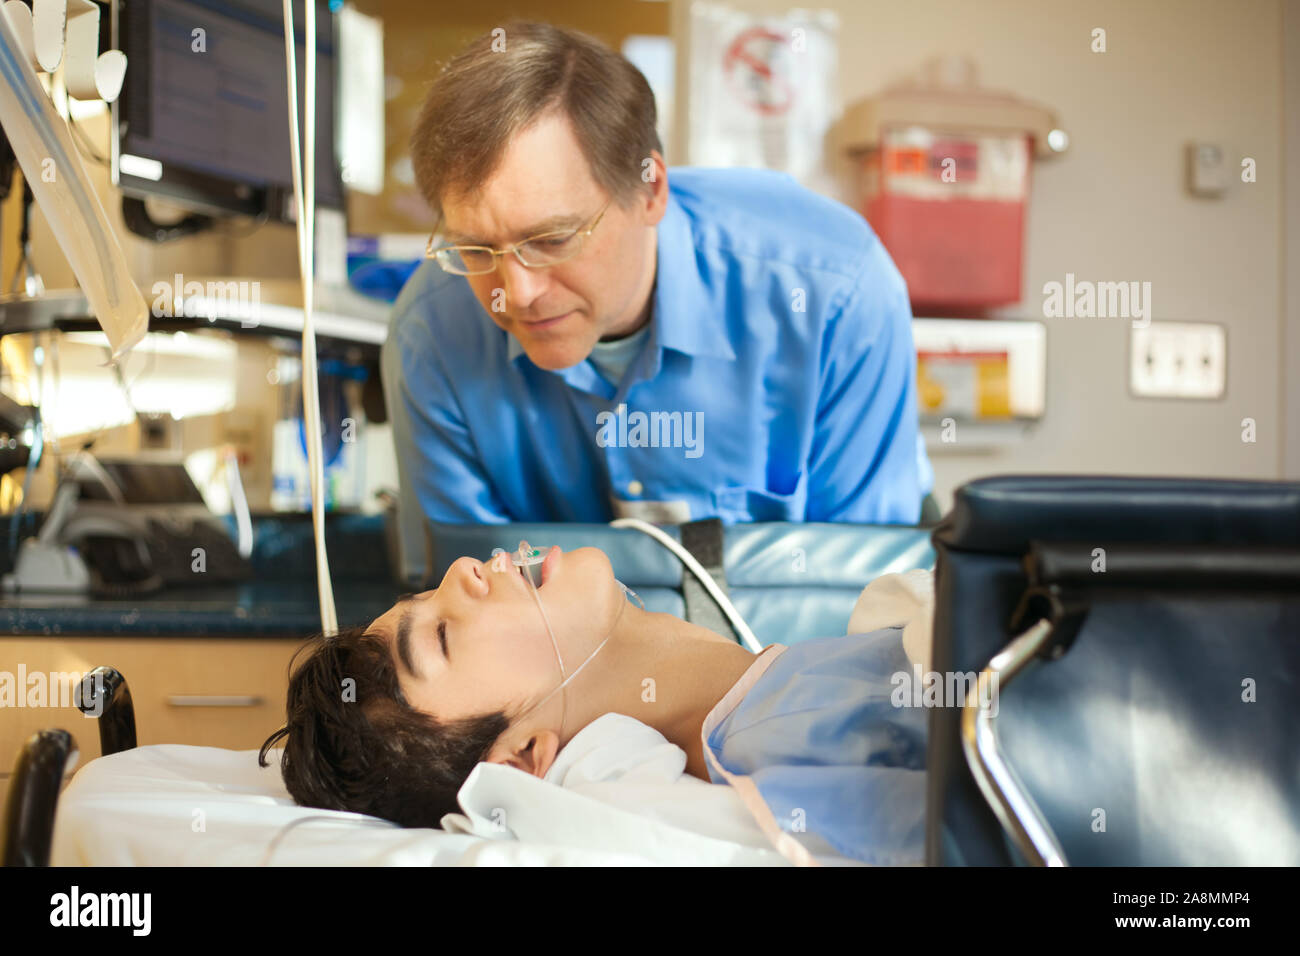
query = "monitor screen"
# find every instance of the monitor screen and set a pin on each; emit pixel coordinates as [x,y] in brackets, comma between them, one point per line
[154,483]
[203,119]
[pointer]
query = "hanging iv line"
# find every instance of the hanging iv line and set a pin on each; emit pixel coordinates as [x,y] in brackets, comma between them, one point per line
[305,198]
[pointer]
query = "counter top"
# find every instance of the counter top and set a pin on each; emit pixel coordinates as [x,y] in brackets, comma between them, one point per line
[279,600]
[271,609]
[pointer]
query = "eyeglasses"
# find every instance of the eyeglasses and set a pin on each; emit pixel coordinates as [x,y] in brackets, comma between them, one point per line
[539,252]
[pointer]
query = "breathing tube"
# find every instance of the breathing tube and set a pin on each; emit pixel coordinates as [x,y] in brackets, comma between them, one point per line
[44,149]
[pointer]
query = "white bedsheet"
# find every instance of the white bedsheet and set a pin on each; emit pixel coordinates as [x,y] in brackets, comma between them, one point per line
[621,799]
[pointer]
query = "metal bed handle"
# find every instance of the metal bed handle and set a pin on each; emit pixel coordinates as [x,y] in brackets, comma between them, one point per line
[998,782]
[1061,576]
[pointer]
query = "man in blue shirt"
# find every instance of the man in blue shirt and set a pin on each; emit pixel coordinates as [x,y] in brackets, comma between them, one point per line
[595,336]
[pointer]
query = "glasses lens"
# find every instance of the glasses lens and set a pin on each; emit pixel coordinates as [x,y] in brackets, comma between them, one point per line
[548,250]
[465,260]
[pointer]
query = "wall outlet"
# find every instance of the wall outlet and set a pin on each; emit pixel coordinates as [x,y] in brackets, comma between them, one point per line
[1178,360]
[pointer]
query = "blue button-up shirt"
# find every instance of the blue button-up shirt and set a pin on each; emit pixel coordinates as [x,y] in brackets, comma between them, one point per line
[778,381]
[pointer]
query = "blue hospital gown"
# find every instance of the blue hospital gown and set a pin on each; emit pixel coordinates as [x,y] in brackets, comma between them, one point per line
[813,732]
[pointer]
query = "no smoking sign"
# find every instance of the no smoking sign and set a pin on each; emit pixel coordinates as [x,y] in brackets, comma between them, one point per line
[757,69]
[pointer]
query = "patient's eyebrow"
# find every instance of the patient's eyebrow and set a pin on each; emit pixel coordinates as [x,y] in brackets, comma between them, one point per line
[404,644]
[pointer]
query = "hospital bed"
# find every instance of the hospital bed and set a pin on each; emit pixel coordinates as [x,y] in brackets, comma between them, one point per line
[791,582]
[1146,712]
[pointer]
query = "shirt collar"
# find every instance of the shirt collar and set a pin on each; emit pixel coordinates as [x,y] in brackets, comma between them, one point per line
[680,295]
[681,315]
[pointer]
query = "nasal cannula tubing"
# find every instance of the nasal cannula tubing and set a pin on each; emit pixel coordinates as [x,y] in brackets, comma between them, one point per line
[527,559]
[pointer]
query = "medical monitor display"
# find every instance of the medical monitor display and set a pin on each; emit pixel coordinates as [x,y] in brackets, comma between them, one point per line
[203,119]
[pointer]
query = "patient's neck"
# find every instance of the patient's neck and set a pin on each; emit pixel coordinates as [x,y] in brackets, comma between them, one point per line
[663,671]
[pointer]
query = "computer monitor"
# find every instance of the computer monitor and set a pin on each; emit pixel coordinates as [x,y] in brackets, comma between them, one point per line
[203,118]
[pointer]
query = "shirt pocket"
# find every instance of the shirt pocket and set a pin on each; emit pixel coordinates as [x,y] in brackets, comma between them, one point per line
[746,504]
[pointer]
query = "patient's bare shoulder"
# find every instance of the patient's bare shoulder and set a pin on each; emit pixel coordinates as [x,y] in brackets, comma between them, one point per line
[704,634]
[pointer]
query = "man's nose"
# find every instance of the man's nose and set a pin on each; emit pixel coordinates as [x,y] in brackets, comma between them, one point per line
[522,285]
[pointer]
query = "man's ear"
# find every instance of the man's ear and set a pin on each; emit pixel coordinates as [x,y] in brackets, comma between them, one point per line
[654,176]
[533,754]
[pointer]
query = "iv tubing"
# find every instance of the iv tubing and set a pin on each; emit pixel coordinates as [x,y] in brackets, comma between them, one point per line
[306,201]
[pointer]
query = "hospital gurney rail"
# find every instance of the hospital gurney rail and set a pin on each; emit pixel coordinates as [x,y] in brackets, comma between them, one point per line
[33,796]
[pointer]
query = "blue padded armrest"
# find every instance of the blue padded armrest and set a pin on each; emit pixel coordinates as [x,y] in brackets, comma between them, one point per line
[798,581]
[800,555]
[790,581]
[1000,514]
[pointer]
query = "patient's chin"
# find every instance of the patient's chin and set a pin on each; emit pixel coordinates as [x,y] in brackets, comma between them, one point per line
[585,587]
[587,571]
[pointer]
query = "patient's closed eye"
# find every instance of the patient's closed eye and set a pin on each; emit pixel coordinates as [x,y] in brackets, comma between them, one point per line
[442,638]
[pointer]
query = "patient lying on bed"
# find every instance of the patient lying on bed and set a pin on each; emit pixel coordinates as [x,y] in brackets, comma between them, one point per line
[389,719]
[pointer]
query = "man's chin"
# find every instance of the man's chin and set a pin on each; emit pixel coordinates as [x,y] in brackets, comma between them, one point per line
[554,357]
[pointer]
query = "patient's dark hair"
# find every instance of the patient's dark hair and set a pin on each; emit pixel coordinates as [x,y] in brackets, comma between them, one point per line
[361,747]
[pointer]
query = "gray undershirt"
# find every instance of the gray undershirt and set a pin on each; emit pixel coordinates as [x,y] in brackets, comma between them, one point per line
[612,359]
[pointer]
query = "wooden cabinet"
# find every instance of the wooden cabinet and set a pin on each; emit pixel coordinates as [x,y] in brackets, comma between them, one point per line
[212,692]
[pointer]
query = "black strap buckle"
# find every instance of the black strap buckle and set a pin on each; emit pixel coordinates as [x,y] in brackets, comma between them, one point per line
[1064,609]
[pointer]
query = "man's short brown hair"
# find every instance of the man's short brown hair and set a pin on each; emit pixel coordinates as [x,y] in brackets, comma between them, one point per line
[509,77]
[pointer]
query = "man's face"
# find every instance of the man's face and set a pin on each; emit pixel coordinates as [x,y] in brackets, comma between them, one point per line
[543,184]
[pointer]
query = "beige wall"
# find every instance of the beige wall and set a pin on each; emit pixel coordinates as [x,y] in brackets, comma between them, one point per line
[1113,207]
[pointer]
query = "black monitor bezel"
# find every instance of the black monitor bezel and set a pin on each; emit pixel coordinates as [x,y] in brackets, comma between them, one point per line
[212,195]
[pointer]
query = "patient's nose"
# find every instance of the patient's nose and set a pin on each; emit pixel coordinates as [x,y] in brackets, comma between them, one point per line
[469,575]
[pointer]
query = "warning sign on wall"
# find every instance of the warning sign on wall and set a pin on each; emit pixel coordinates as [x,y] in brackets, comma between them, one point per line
[763,90]
[757,68]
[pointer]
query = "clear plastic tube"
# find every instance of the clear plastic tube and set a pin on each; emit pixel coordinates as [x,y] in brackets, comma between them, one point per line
[50,165]
[529,560]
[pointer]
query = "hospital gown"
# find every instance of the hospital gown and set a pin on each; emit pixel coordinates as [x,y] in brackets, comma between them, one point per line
[810,739]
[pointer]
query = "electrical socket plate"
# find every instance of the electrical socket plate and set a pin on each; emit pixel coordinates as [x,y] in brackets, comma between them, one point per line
[1178,360]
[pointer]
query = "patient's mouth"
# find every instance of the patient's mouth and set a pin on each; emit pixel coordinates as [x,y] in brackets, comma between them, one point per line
[536,573]
[548,565]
